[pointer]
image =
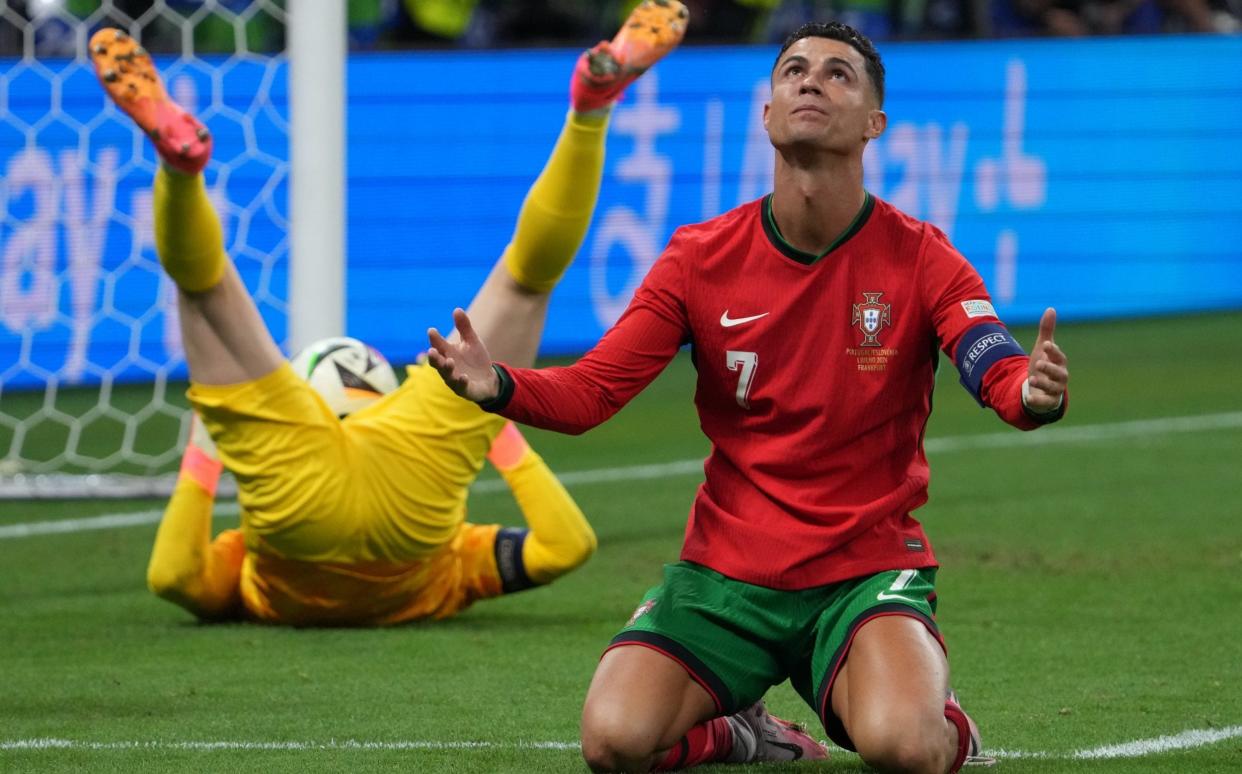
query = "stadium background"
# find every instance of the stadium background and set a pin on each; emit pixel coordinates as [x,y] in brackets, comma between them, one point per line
[1100,179]
[1089,569]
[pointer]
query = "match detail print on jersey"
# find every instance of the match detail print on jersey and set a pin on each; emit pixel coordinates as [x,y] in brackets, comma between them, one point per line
[979,308]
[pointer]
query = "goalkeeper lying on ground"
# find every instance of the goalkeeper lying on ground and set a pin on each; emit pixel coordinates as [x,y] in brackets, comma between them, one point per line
[361,521]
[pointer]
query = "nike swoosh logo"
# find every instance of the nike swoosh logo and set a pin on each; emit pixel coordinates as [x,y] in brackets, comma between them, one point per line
[729,322]
[792,748]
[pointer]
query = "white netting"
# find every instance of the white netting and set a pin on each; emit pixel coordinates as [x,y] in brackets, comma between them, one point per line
[91,365]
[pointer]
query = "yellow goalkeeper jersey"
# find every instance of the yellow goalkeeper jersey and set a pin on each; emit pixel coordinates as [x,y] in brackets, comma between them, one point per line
[298,593]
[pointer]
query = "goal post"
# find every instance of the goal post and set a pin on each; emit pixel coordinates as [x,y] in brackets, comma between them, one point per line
[92,371]
[317,178]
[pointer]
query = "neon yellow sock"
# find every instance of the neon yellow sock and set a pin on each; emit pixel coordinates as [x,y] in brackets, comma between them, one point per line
[559,206]
[188,237]
[560,537]
[186,567]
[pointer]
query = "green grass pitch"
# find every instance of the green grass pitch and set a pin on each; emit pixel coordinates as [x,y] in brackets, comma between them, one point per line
[1091,595]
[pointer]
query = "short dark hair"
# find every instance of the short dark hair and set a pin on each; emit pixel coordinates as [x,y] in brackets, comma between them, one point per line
[846,34]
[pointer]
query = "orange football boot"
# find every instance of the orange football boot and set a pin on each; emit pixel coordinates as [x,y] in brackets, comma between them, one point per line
[652,30]
[128,75]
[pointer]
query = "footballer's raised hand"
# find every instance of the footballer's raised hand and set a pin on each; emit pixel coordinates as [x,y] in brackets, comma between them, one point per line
[1048,369]
[464,364]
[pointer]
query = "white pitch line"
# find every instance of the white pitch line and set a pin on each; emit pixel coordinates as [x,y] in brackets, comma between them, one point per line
[1011,439]
[332,744]
[1183,741]
[1139,748]
[1085,433]
[106,521]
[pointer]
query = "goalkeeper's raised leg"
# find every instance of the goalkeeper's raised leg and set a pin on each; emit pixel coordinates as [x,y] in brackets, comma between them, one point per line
[508,311]
[224,336]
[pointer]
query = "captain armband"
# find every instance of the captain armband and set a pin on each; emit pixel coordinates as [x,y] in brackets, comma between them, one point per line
[981,347]
[509,562]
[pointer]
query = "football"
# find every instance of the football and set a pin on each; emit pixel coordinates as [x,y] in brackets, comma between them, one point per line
[349,374]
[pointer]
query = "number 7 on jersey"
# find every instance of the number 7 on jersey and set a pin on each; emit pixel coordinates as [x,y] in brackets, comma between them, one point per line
[747,362]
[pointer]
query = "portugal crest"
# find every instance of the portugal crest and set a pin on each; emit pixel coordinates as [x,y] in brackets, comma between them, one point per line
[642,610]
[871,316]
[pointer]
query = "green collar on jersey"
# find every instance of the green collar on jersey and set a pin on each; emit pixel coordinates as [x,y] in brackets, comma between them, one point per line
[793,253]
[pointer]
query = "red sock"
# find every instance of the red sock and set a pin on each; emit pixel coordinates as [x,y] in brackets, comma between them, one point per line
[954,715]
[705,743]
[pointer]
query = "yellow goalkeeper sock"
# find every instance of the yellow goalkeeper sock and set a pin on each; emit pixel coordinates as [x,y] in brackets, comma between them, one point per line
[188,237]
[180,555]
[559,206]
[560,537]
[187,567]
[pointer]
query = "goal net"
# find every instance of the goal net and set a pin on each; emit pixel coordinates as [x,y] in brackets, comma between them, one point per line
[91,365]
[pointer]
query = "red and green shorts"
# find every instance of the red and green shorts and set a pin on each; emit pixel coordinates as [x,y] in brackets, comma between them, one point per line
[737,640]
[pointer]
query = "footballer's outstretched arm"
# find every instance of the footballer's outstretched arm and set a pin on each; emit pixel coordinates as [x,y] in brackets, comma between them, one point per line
[559,537]
[186,567]
[1027,391]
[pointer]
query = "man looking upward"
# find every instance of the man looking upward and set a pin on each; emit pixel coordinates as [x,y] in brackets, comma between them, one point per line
[816,315]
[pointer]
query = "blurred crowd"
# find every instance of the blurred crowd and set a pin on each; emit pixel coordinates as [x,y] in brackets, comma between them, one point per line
[48,27]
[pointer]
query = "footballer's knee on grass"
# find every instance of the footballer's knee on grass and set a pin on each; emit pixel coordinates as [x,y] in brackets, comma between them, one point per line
[893,743]
[640,704]
[890,696]
[900,736]
[615,745]
[615,739]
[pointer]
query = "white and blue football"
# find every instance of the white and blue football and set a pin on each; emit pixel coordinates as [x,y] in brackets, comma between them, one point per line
[349,374]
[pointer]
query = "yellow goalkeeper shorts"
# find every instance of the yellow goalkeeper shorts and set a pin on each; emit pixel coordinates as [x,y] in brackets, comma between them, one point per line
[387,483]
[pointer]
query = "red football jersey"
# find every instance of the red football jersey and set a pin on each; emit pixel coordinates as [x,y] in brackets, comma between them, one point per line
[815,376]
